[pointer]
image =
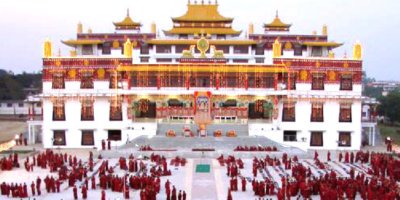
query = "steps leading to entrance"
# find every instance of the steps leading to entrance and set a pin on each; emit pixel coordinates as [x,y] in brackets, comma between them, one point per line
[241,129]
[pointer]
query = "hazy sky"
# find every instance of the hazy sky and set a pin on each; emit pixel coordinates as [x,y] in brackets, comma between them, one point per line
[26,23]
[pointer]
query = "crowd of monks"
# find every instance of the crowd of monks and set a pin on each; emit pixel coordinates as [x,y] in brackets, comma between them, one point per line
[378,180]
[255,148]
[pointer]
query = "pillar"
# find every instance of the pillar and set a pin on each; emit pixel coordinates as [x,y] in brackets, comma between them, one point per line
[373,135]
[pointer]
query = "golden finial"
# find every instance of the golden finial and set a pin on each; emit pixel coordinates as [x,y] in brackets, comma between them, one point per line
[79,28]
[325,30]
[90,30]
[251,28]
[277,49]
[357,51]
[153,28]
[128,49]
[331,54]
[47,48]
[314,32]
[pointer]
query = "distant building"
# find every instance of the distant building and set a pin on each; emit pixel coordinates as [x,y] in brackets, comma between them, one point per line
[387,86]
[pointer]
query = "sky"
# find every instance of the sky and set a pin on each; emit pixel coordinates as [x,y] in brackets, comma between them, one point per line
[25,24]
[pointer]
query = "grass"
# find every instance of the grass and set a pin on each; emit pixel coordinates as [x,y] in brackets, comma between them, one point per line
[203,168]
[390,131]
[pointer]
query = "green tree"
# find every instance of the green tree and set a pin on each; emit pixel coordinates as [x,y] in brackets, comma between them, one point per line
[390,106]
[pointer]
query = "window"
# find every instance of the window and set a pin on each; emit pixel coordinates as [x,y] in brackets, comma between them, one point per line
[317,112]
[183,36]
[87,111]
[86,80]
[38,105]
[9,105]
[163,48]
[259,60]
[221,37]
[289,112]
[180,48]
[115,110]
[59,138]
[289,136]
[58,81]
[144,59]
[144,49]
[317,139]
[298,50]
[223,48]
[114,135]
[114,80]
[259,50]
[269,81]
[106,48]
[317,82]
[240,61]
[58,110]
[20,105]
[240,49]
[165,60]
[316,51]
[344,139]
[87,138]
[346,82]
[87,50]
[345,113]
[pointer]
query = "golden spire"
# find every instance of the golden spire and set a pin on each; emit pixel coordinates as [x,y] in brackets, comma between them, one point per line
[47,49]
[331,54]
[79,28]
[276,49]
[251,28]
[90,30]
[153,28]
[128,49]
[357,51]
[325,30]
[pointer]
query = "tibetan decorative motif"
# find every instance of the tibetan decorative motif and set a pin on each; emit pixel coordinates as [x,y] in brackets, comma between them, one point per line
[331,76]
[58,63]
[86,62]
[317,64]
[100,73]
[115,44]
[288,46]
[134,43]
[345,65]
[303,75]
[72,74]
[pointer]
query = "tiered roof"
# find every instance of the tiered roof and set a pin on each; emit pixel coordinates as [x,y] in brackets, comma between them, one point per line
[277,25]
[202,19]
[127,24]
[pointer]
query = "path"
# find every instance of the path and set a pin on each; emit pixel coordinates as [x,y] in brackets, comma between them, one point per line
[203,185]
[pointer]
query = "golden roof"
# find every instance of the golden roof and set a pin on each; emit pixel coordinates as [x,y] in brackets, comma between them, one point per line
[199,30]
[202,12]
[127,22]
[193,42]
[277,22]
[81,42]
[322,44]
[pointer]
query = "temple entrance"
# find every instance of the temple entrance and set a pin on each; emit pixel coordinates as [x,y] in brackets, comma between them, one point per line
[202,111]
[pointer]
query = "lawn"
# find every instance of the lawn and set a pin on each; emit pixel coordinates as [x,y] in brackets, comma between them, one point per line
[390,131]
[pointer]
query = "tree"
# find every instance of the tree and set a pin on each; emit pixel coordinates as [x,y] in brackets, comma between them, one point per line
[390,106]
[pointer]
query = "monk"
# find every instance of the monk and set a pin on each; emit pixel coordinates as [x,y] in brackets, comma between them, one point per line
[75,191]
[103,195]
